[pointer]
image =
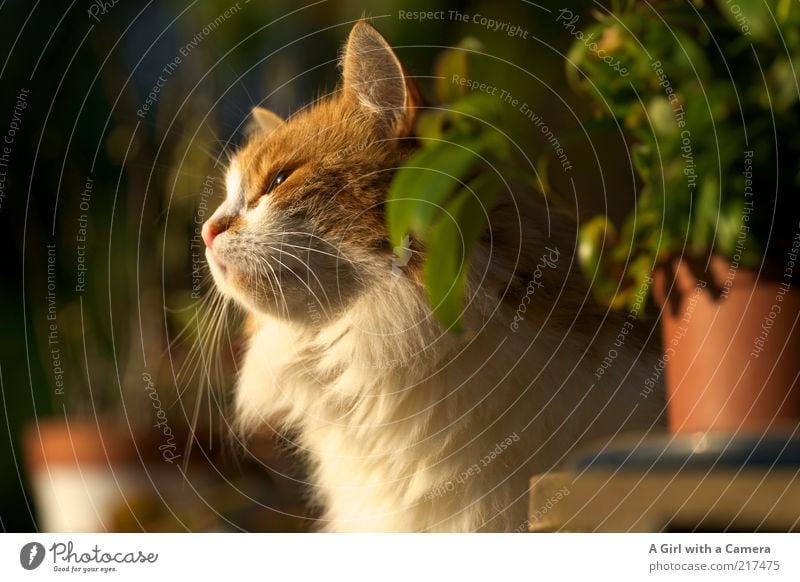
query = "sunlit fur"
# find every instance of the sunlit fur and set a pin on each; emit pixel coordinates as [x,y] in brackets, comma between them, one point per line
[343,350]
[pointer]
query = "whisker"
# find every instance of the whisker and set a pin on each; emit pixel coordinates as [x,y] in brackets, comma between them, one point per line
[275,276]
[311,249]
[309,270]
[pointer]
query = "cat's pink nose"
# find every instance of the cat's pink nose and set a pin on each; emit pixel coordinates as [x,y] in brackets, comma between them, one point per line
[211,228]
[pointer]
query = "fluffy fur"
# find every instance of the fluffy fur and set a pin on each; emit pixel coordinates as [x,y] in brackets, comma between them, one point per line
[408,427]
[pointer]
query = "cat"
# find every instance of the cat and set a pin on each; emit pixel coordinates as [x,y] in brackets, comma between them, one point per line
[408,426]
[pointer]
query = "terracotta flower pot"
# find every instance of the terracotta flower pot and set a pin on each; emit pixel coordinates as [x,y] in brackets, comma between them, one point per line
[90,476]
[731,346]
[79,471]
[82,471]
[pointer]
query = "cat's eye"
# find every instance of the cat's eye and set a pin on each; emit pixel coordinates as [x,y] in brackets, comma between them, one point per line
[279,179]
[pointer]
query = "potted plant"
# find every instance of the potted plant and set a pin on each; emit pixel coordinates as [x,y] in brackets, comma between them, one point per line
[710,97]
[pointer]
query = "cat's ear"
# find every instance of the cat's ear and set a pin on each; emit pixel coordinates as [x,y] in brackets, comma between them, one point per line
[375,77]
[263,122]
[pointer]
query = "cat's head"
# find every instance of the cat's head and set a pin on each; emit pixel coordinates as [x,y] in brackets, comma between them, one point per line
[301,230]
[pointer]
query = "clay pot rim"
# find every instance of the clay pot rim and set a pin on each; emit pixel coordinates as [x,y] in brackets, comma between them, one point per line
[55,441]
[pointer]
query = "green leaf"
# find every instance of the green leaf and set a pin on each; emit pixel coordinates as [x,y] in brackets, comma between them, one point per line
[423,186]
[642,155]
[595,234]
[451,66]
[597,238]
[782,87]
[750,17]
[661,117]
[429,126]
[636,227]
[706,215]
[689,59]
[640,269]
[475,113]
[730,225]
[450,245]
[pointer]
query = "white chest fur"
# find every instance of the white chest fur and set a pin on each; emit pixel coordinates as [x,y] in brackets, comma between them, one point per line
[410,431]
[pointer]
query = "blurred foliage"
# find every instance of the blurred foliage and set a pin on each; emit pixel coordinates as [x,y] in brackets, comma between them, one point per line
[708,92]
[706,83]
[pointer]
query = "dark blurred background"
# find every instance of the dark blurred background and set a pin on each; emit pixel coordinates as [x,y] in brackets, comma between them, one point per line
[121,117]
